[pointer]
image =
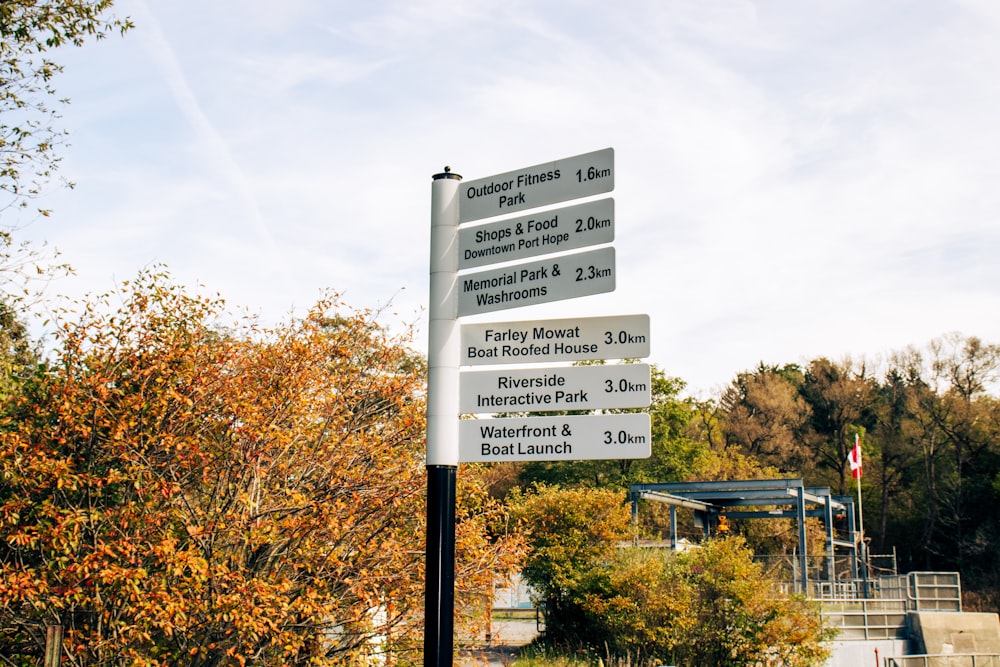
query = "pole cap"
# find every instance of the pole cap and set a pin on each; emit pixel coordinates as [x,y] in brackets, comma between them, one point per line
[447,174]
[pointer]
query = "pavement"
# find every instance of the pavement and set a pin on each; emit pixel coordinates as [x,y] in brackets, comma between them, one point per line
[490,656]
[508,637]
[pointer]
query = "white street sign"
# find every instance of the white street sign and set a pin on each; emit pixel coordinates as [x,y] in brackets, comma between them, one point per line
[554,230]
[544,341]
[568,438]
[555,279]
[540,185]
[555,388]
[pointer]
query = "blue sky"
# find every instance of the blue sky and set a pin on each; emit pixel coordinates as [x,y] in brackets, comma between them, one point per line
[793,179]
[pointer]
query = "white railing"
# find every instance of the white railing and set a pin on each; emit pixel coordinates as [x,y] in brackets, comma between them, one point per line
[924,591]
[944,660]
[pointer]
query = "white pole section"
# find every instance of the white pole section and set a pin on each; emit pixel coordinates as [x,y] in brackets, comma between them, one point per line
[443,353]
[443,359]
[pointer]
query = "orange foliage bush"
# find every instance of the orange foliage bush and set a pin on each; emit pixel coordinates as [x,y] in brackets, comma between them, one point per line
[176,493]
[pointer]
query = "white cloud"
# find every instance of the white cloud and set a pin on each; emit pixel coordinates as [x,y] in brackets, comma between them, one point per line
[793,179]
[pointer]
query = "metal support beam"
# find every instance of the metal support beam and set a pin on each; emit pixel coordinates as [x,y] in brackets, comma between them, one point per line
[831,562]
[677,501]
[803,554]
[673,528]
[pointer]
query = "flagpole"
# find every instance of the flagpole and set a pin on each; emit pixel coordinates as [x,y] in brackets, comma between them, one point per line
[861,512]
[863,545]
[856,471]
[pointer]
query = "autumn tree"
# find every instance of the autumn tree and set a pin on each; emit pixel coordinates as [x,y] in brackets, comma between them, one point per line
[766,416]
[176,492]
[929,425]
[709,606]
[840,398]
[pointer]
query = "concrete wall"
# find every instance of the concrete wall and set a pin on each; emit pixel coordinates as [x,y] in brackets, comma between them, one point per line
[946,632]
[862,653]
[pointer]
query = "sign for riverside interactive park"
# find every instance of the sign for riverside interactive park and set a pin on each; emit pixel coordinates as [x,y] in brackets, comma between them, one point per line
[556,388]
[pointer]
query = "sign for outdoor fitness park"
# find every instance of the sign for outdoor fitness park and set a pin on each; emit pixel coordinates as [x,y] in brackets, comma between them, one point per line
[555,388]
[567,438]
[540,185]
[571,339]
[554,230]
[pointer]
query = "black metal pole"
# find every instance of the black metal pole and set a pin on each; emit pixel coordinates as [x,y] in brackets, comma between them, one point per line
[439,591]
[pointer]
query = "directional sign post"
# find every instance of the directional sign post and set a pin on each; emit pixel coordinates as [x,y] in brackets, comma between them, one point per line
[569,438]
[572,339]
[451,441]
[558,388]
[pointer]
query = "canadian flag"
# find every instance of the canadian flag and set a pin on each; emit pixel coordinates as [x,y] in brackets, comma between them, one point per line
[855,458]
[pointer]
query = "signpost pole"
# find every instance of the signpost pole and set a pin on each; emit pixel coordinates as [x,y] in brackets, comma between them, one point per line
[442,422]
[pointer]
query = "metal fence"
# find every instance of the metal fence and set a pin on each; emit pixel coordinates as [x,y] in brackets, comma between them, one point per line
[882,614]
[944,660]
[836,578]
[835,573]
[924,591]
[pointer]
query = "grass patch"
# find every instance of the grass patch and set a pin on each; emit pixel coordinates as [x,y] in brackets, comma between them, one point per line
[534,655]
[518,614]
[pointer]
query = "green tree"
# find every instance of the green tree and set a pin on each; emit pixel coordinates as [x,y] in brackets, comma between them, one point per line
[967,420]
[710,606]
[569,531]
[17,354]
[29,134]
[674,452]
[892,452]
